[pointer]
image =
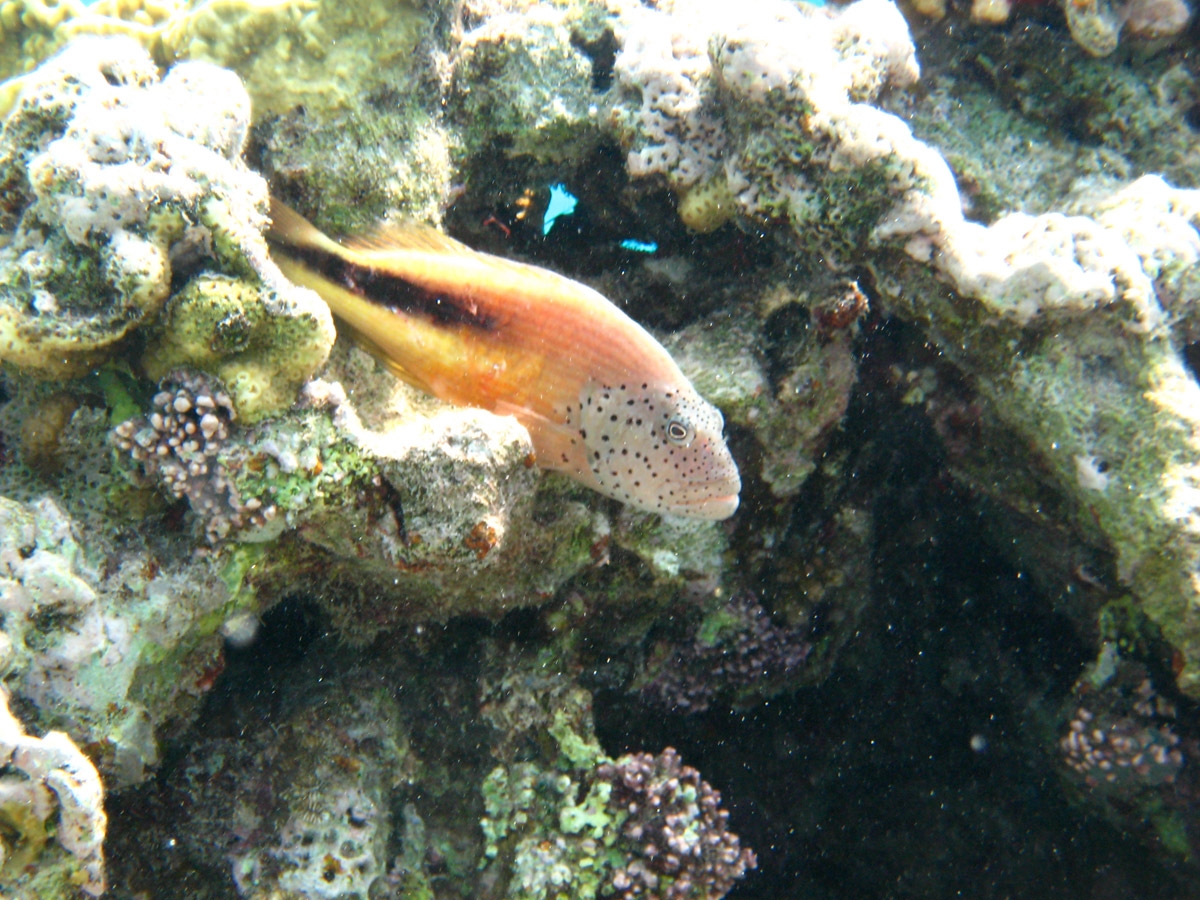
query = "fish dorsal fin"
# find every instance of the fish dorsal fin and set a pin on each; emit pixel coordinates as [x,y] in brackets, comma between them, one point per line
[290,228]
[405,235]
[417,238]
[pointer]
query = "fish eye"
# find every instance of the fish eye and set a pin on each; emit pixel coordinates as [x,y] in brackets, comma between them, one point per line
[679,432]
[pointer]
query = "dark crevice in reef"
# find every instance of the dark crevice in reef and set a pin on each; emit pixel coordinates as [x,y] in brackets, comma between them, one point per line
[686,277]
[926,743]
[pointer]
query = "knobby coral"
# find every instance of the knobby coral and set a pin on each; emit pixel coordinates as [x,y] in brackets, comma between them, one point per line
[178,443]
[684,850]
[119,185]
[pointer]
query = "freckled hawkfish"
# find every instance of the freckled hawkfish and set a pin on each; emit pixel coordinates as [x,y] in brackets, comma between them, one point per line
[602,400]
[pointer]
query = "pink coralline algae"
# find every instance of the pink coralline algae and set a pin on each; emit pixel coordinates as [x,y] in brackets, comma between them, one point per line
[178,442]
[748,651]
[686,851]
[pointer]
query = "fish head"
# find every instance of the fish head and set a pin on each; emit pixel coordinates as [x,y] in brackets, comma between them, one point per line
[660,448]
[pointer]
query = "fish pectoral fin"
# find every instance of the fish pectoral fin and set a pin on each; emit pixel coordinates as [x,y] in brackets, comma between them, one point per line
[557,446]
[524,415]
[384,359]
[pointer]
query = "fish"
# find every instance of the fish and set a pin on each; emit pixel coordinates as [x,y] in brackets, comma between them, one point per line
[602,400]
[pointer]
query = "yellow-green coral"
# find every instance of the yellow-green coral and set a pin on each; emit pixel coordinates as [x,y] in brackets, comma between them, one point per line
[290,52]
[233,329]
[60,312]
[708,205]
[32,30]
[315,52]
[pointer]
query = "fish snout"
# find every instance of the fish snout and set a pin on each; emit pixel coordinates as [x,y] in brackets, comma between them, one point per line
[714,508]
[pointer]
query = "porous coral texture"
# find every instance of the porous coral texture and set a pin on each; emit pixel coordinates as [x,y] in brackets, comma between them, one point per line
[799,141]
[118,180]
[107,642]
[43,776]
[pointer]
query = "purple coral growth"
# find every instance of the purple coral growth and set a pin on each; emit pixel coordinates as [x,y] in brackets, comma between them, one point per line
[749,651]
[178,442]
[684,851]
[1122,737]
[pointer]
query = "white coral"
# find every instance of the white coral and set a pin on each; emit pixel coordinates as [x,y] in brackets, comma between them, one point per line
[674,97]
[49,772]
[137,171]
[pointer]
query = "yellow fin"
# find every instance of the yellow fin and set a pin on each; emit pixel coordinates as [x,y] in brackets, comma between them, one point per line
[388,362]
[407,235]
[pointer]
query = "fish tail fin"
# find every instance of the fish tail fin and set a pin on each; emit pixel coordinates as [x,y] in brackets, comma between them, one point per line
[290,228]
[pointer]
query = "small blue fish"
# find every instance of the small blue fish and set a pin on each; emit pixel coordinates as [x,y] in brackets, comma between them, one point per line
[639,246]
[562,203]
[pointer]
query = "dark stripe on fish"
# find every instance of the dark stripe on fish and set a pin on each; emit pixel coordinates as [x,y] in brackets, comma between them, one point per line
[393,293]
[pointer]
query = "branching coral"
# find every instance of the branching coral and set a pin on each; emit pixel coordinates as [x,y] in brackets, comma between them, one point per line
[576,823]
[684,850]
[737,648]
[1121,736]
[178,442]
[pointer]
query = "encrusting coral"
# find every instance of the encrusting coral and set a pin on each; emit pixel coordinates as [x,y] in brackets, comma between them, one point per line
[799,144]
[47,779]
[393,513]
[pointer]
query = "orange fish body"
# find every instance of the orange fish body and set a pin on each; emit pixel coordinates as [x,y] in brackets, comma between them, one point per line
[602,400]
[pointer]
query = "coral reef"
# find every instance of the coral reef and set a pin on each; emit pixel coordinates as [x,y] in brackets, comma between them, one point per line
[686,851]
[581,824]
[1123,751]
[665,114]
[439,739]
[234,330]
[699,116]
[184,432]
[447,497]
[1050,283]
[110,643]
[523,79]
[120,183]
[505,793]
[735,651]
[790,400]
[1096,25]
[47,778]
[33,30]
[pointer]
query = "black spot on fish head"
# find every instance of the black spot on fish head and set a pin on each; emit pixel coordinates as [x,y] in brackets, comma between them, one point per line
[660,448]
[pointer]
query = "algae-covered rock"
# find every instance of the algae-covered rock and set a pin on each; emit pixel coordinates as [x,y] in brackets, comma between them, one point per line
[345,782]
[790,402]
[523,81]
[573,821]
[454,506]
[1056,318]
[109,642]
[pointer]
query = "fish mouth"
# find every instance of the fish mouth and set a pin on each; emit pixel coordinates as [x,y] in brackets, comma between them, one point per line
[714,508]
